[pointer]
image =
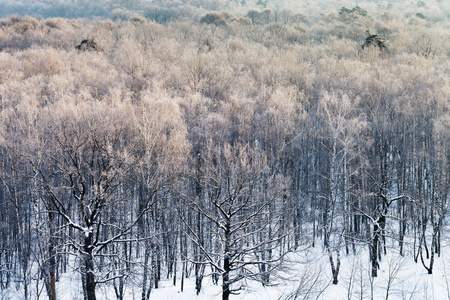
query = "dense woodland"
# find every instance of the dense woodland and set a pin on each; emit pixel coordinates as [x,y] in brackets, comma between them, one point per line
[180,143]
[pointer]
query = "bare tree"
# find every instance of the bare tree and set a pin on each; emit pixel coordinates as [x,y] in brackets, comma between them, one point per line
[395,265]
[341,126]
[311,283]
[238,201]
[81,156]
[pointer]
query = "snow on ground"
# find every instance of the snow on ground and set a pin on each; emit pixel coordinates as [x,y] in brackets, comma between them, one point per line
[309,273]
[398,278]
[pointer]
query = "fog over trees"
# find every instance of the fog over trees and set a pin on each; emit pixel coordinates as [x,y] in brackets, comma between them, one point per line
[219,139]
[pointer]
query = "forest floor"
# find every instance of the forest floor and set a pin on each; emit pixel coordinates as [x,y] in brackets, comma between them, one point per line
[398,278]
[307,273]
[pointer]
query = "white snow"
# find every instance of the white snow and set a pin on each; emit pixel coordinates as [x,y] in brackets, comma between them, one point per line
[398,278]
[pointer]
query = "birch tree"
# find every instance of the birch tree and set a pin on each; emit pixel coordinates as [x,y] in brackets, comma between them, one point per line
[342,124]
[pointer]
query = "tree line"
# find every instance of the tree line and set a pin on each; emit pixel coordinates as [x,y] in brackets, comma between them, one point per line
[216,148]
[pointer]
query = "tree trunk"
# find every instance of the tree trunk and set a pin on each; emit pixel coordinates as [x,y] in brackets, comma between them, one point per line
[374,251]
[89,275]
[226,263]
[226,278]
[52,261]
[145,273]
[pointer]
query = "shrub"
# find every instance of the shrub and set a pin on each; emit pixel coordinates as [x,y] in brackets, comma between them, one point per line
[89,45]
[223,19]
[260,17]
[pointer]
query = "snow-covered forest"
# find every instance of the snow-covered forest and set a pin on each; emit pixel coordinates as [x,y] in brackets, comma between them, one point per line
[252,149]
